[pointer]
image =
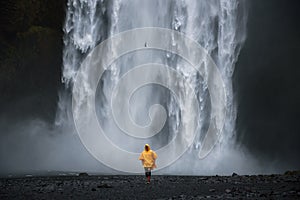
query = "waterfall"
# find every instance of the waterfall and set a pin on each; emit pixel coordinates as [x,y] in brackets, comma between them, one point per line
[219,26]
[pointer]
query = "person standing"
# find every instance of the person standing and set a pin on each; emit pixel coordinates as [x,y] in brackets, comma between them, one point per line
[148,158]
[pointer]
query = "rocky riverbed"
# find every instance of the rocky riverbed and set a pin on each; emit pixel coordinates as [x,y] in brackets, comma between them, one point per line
[162,187]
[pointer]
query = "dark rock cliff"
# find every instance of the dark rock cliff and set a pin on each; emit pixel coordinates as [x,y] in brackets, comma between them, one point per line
[30,55]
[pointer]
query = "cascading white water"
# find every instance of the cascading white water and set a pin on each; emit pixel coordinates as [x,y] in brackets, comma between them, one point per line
[217,25]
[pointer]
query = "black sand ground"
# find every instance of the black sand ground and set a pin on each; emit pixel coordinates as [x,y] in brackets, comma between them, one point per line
[161,187]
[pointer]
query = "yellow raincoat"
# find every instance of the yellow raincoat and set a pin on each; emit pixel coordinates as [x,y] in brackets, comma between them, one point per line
[148,158]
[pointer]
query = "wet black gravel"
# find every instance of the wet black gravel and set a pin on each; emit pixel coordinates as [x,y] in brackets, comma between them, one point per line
[161,187]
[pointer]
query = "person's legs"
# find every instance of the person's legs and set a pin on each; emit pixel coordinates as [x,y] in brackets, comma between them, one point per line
[148,174]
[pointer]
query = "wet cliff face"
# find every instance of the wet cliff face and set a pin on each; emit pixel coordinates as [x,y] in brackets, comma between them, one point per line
[30,56]
[267,82]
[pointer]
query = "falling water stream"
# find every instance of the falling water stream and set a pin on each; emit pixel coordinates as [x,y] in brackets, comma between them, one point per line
[219,26]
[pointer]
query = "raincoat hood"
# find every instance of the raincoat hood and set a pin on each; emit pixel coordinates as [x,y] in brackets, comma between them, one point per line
[147,145]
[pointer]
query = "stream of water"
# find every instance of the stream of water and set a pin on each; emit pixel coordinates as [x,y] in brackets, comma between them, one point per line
[219,26]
